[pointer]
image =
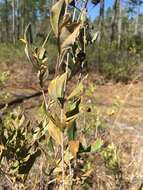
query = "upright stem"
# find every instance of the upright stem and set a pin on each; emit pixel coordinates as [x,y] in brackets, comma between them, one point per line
[74,14]
[43,93]
[46,39]
[62,153]
[62,135]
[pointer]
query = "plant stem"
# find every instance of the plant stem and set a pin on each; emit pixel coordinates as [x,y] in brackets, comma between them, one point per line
[70,176]
[62,153]
[44,98]
[46,39]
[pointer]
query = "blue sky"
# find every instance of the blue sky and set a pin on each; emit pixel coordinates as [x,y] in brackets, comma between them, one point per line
[94,11]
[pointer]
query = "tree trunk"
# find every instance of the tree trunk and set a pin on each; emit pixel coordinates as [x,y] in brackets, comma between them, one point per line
[101,19]
[0,29]
[137,18]
[23,14]
[113,22]
[18,19]
[6,21]
[120,23]
[13,22]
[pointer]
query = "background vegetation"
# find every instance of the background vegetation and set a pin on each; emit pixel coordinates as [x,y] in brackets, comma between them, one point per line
[119,31]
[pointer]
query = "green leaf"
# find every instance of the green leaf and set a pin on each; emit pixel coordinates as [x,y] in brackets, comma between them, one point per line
[96,145]
[72,131]
[56,13]
[56,87]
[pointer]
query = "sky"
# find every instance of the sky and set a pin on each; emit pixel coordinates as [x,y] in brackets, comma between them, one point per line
[94,10]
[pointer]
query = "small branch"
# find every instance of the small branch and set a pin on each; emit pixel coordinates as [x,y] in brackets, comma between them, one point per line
[20,100]
[62,153]
[44,97]
[47,38]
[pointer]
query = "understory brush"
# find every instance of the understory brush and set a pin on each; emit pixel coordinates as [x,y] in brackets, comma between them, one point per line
[114,64]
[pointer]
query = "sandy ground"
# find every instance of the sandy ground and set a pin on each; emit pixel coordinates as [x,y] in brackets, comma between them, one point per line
[23,81]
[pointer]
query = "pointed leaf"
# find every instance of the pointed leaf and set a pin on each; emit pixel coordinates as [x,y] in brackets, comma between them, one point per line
[76,91]
[41,53]
[23,40]
[95,37]
[28,34]
[55,132]
[67,29]
[56,12]
[56,87]
[70,40]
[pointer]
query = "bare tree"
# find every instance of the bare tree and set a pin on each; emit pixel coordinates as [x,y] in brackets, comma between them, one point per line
[6,20]
[137,17]
[114,19]
[101,19]
[17,19]
[13,22]
[0,29]
[119,23]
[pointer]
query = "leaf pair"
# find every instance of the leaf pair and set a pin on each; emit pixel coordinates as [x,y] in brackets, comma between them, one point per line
[62,28]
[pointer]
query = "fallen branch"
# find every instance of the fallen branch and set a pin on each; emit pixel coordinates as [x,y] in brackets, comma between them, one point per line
[21,99]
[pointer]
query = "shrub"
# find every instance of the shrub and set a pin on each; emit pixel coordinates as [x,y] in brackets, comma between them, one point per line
[112,63]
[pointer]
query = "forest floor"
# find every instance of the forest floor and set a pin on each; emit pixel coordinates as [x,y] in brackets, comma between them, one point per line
[23,82]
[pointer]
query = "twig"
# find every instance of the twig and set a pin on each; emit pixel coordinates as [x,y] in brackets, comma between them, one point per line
[62,153]
[47,38]
[20,100]
[126,98]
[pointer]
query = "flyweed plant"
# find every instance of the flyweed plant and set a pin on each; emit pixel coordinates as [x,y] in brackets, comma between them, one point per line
[57,124]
